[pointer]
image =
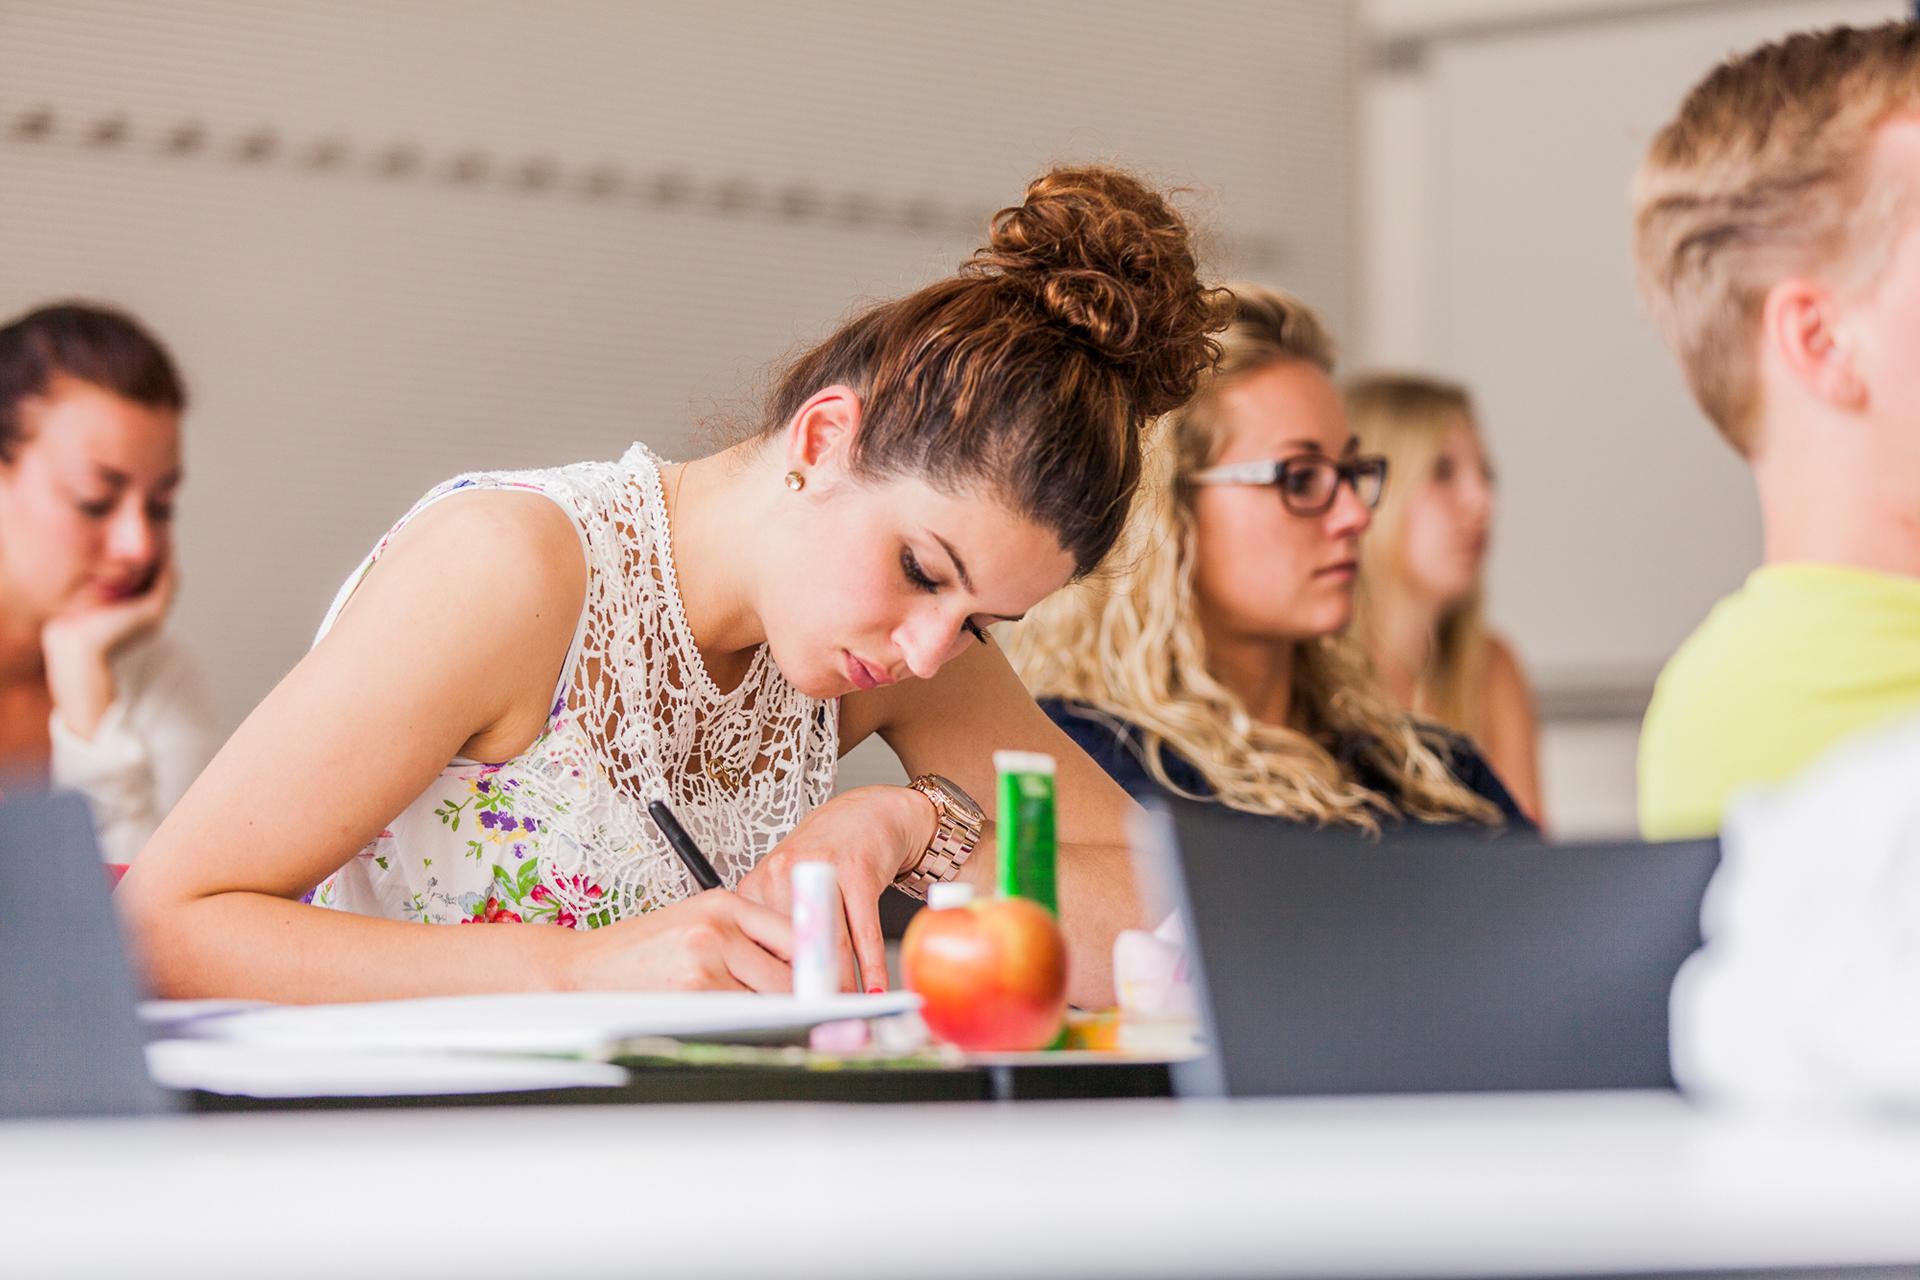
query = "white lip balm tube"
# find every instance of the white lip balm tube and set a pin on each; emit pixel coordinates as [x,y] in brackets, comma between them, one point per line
[816,919]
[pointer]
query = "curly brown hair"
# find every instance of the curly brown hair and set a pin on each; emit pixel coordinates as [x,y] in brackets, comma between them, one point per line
[1034,369]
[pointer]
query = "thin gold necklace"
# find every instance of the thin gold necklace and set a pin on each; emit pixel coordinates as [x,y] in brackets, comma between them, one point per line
[680,478]
[728,776]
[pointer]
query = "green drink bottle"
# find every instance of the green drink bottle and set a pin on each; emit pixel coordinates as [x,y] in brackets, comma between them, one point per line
[1026,840]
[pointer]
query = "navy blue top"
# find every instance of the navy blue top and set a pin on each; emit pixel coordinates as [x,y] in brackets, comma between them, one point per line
[1116,747]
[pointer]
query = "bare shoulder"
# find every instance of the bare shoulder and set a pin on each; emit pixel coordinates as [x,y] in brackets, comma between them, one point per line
[495,538]
[1507,681]
[512,528]
[507,559]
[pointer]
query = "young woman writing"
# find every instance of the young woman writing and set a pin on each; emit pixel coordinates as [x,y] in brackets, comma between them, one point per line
[527,660]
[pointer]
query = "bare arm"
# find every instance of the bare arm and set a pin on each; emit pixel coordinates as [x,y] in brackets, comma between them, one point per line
[1513,728]
[952,725]
[405,680]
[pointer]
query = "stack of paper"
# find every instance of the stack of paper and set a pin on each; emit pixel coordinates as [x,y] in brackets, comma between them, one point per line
[257,1071]
[459,1044]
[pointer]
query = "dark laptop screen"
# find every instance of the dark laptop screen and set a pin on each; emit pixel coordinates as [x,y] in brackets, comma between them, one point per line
[1332,963]
[70,1040]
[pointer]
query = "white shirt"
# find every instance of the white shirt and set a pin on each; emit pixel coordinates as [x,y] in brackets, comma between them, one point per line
[148,748]
[1806,990]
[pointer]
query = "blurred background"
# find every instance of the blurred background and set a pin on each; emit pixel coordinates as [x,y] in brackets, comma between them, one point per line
[390,242]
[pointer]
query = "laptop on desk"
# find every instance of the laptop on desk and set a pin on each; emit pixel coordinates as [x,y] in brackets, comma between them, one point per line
[70,1036]
[1332,963]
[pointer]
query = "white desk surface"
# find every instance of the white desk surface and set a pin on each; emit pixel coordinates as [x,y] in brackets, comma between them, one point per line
[1476,1185]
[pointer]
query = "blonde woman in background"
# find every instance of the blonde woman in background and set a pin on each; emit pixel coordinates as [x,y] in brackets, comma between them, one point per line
[1421,597]
[1211,662]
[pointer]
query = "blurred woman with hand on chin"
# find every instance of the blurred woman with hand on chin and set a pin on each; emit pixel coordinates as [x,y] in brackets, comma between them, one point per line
[94,695]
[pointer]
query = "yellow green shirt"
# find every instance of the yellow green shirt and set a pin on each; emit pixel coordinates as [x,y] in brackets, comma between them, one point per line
[1800,657]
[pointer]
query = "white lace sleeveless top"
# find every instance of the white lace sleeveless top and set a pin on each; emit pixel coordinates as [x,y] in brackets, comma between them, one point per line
[560,833]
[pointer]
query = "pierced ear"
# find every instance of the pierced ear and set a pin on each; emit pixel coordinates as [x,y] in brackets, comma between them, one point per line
[1801,323]
[823,430]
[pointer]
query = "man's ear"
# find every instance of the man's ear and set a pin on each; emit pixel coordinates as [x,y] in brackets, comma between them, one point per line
[1802,324]
[822,432]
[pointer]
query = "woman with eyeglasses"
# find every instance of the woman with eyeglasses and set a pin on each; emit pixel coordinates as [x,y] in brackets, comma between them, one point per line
[1420,600]
[1210,662]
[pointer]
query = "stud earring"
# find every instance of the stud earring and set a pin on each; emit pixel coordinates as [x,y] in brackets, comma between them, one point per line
[796,481]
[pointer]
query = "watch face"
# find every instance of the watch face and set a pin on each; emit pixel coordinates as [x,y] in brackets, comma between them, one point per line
[958,799]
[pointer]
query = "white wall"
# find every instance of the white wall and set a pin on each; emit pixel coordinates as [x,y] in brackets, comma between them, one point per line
[1499,140]
[1428,19]
[393,242]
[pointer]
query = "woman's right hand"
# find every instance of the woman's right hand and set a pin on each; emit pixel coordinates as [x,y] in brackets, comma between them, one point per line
[713,941]
[78,648]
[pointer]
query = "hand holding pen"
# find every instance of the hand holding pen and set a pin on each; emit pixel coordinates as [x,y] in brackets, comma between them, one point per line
[869,834]
[818,918]
[709,942]
[683,846]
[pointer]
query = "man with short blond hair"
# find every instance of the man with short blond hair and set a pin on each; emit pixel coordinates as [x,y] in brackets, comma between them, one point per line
[1777,241]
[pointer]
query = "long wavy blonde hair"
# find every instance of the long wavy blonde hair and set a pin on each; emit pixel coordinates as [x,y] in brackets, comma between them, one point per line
[1407,417]
[1128,644]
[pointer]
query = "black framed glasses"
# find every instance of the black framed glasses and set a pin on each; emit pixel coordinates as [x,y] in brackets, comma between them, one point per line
[1308,482]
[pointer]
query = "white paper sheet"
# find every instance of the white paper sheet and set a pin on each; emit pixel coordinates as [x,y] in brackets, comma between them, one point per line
[568,1023]
[170,1017]
[261,1071]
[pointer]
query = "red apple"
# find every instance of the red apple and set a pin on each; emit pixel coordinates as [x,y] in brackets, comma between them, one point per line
[993,973]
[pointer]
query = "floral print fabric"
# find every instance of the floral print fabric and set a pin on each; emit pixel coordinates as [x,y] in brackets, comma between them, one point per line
[559,834]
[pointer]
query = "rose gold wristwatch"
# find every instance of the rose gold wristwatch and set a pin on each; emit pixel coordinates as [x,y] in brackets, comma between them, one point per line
[957,822]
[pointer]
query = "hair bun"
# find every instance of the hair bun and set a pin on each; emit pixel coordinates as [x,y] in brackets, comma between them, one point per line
[1104,258]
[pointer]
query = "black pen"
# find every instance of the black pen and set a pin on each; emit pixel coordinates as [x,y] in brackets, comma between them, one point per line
[703,873]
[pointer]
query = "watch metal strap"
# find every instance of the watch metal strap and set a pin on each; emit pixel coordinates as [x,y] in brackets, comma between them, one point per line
[954,838]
